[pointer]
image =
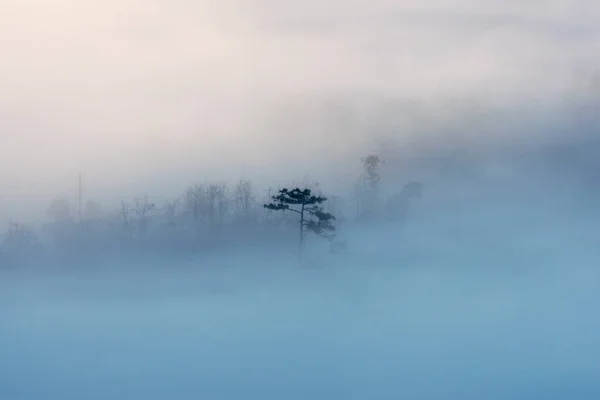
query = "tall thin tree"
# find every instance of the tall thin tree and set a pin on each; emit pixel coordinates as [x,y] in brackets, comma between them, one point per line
[310,210]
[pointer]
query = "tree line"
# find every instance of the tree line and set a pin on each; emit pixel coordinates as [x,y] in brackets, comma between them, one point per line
[211,216]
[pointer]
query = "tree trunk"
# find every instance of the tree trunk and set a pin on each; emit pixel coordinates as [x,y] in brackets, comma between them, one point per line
[301,243]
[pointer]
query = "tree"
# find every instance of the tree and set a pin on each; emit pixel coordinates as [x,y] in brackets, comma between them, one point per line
[216,202]
[207,203]
[244,199]
[20,239]
[194,203]
[371,164]
[141,208]
[310,209]
[171,208]
[126,216]
[366,188]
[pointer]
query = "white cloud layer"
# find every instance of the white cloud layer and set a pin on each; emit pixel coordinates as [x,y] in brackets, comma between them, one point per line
[125,90]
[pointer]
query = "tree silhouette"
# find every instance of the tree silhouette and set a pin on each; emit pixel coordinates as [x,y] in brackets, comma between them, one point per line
[371,164]
[312,216]
[367,186]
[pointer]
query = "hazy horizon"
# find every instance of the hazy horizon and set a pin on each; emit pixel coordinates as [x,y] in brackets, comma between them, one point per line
[148,97]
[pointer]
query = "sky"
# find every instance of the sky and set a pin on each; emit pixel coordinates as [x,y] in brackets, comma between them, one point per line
[149,96]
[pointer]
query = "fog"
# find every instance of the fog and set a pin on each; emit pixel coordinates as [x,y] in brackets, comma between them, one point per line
[494,301]
[167,278]
[144,97]
[486,293]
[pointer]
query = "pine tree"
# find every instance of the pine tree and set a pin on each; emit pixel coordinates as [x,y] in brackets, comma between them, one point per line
[368,187]
[312,216]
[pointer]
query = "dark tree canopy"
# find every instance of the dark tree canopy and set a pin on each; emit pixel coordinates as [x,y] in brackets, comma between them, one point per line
[312,216]
[321,222]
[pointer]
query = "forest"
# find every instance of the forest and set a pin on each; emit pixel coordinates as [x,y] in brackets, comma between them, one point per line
[209,217]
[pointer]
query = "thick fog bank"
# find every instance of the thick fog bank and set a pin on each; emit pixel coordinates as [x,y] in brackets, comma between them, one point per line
[486,290]
[491,300]
[428,333]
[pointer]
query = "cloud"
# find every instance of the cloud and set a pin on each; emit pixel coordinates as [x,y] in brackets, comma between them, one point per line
[125,89]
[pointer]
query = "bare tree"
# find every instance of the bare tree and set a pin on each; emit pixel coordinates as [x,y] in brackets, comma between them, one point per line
[194,203]
[216,204]
[19,238]
[244,198]
[126,218]
[142,207]
[171,211]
